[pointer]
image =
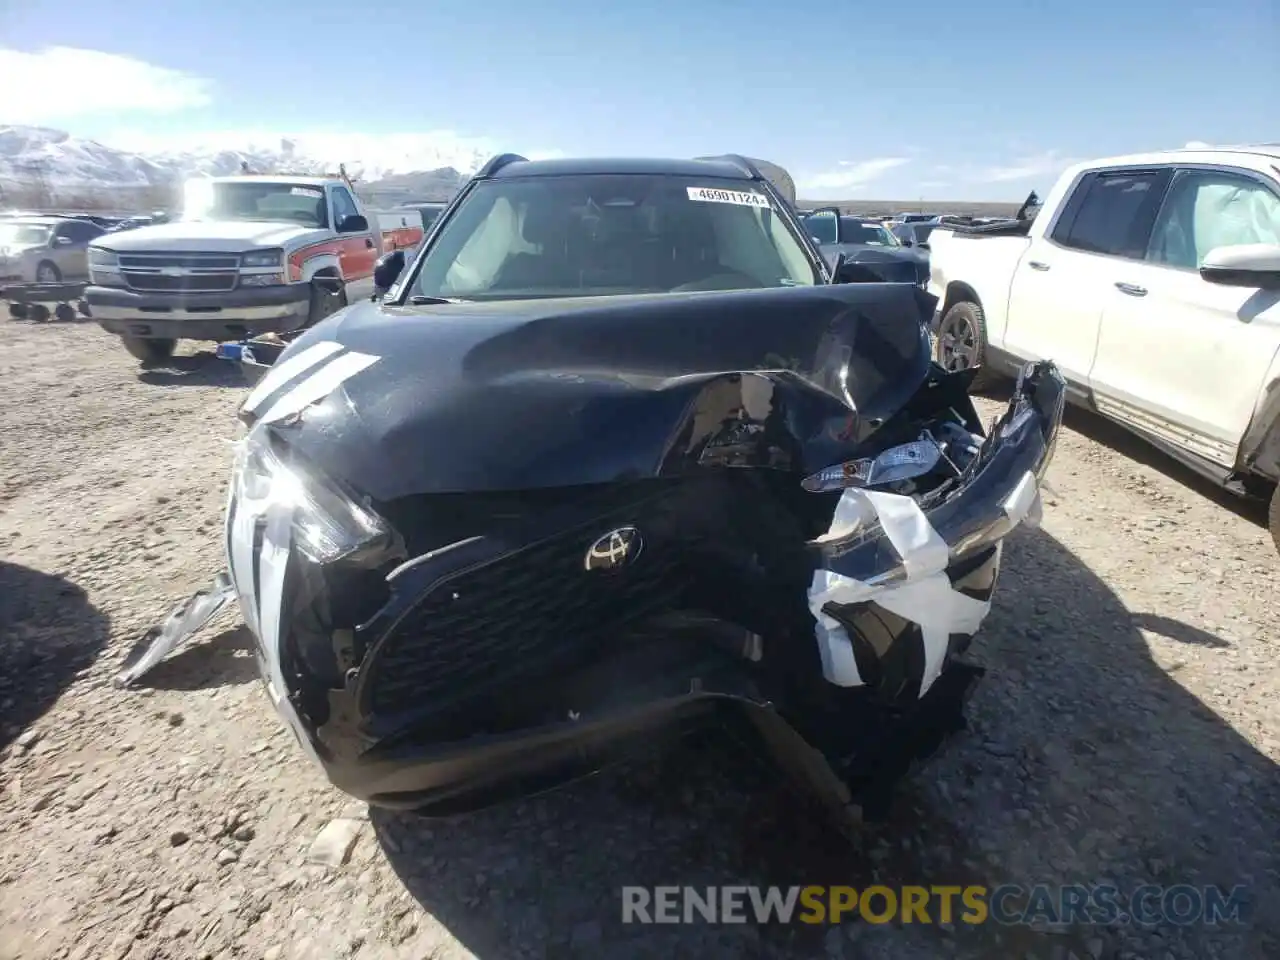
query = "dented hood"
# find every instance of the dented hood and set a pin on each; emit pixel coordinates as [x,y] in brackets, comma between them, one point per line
[403,400]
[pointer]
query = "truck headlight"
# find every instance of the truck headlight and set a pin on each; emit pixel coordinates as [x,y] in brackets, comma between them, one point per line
[262,258]
[104,268]
[328,524]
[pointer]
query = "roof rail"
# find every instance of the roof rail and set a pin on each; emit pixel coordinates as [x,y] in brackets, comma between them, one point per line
[497,163]
[739,161]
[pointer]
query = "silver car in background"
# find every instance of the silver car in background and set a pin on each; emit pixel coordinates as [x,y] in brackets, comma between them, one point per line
[37,249]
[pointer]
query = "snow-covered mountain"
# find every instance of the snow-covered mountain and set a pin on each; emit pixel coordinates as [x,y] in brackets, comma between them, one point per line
[61,162]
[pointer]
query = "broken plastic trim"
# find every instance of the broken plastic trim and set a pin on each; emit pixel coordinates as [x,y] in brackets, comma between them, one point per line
[183,621]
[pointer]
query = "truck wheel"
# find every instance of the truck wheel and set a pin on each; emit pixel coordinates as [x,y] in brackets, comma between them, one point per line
[961,342]
[149,350]
[1273,516]
[324,304]
[64,313]
[48,273]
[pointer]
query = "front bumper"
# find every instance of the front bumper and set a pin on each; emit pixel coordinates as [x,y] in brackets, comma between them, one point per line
[388,708]
[232,315]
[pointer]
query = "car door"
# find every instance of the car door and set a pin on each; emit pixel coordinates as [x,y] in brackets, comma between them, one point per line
[1064,279]
[357,251]
[1178,356]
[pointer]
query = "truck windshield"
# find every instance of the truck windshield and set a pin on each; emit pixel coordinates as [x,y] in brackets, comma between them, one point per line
[23,234]
[255,200]
[604,234]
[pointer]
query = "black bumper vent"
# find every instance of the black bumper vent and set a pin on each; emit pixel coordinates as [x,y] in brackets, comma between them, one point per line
[521,619]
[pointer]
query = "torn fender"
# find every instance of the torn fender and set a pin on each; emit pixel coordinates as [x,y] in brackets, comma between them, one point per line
[893,552]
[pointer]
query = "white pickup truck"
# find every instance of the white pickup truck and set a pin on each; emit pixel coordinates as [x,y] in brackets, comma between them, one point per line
[1153,281]
[249,255]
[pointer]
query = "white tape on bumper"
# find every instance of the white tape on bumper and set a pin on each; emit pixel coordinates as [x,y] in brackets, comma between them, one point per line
[925,597]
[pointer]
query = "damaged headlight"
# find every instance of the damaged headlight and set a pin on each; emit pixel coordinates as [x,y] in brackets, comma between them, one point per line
[327,524]
[903,462]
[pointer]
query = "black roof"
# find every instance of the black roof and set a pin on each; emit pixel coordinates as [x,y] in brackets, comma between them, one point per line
[621,166]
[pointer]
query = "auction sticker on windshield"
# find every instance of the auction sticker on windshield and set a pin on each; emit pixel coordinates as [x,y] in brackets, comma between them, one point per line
[743,198]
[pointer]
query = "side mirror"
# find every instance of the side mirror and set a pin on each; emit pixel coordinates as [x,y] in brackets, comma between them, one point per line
[387,270]
[353,223]
[1244,265]
[908,243]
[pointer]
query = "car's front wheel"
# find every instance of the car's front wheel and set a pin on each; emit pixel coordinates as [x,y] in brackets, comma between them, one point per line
[149,349]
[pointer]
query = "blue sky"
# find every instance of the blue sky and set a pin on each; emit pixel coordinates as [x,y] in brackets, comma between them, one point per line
[887,100]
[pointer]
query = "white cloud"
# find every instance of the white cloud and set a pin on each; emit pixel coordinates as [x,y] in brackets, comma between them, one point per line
[63,83]
[850,174]
[1048,162]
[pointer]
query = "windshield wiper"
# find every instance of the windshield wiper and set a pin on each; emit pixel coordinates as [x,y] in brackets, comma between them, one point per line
[418,300]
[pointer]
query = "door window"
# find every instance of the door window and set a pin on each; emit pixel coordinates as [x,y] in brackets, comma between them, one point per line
[343,206]
[1206,209]
[1115,213]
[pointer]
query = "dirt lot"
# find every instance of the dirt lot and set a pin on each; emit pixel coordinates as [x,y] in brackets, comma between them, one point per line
[1128,732]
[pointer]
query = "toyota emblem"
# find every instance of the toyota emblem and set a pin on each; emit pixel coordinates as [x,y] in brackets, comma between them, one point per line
[615,549]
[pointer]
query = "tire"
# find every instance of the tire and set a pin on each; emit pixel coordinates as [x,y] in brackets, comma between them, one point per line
[324,304]
[48,272]
[64,313]
[37,313]
[961,342]
[1273,516]
[149,350]
[17,311]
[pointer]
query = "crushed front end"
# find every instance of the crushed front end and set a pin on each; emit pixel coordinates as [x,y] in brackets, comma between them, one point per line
[803,548]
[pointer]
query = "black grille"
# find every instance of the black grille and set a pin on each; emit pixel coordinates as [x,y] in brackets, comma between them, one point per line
[192,283]
[524,617]
[202,261]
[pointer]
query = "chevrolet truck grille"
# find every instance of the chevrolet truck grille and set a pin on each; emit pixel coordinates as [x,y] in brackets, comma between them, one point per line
[180,272]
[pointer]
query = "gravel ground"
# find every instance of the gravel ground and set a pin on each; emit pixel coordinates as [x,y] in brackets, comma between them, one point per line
[1128,732]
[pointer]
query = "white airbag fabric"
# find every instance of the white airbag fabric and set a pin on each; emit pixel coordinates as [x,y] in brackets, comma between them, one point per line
[925,597]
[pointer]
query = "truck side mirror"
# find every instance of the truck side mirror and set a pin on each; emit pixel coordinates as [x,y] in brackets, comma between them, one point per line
[387,271]
[353,223]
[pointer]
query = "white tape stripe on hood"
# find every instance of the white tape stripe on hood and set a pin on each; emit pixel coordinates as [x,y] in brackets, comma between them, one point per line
[925,598]
[319,385]
[281,374]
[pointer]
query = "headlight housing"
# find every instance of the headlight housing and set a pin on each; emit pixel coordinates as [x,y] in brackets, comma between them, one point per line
[104,268]
[328,524]
[263,258]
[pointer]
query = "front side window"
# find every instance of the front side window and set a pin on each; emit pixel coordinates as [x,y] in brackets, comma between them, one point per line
[343,205]
[822,226]
[1206,209]
[256,200]
[1113,215]
[608,235]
